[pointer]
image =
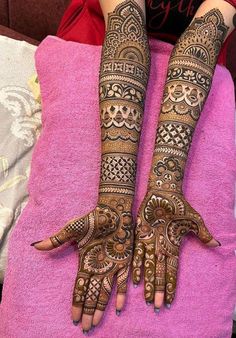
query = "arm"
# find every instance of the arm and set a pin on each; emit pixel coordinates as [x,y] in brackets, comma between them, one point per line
[105,235]
[165,216]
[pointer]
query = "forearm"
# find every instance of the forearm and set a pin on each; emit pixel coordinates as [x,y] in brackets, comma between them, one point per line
[189,77]
[123,79]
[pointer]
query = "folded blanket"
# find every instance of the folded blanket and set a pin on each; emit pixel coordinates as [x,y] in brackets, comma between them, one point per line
[20,123]
[64,184]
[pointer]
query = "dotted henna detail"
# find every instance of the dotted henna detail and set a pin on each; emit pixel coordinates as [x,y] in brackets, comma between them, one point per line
[106,248]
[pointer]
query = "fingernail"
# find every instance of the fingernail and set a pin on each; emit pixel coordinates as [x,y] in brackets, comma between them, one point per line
[135,286]
[85,332]
[148,303]
[118,312]
[156,310]
[75,322]
[32,244]
[168,306]
[218,242]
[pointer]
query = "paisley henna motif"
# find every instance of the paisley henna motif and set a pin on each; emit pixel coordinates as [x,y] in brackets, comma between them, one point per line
[165,217]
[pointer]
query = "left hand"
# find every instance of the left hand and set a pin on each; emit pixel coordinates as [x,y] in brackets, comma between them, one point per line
[164,218]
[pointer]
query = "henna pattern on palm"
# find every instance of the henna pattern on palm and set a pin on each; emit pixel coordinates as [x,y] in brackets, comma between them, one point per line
[105,235]
[165,216]
[105,242]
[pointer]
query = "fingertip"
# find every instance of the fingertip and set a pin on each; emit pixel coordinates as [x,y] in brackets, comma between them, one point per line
[97,317]
[76,312]
[118,312]
[44,245]
[87,322]
[120,301]
[159,299]
[33,244]
[213,243]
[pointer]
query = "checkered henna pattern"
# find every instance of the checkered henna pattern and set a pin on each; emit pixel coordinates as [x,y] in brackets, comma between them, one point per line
[105,235]
[165,216]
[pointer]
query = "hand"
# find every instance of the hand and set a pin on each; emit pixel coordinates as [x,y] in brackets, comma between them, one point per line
[164,218]
[105,242]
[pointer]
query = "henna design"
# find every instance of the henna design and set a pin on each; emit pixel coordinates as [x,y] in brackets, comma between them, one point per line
[120,116]
[168,166]
[192,65]
[164,219]
[176,135]
[122,278]
[160,272]
[189,77]
[105,292]
[105,235]
[165,216]
[81,286]
[118,168]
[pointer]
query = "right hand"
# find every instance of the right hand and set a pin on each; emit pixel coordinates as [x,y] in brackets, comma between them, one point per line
[105,243]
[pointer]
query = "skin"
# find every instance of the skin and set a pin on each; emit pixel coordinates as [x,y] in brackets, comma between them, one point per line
[117,207]
[105,235]
[165,216]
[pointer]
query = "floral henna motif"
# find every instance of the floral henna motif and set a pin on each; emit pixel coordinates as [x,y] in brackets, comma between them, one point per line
[164,219]
[105,242]
[101,222]
[192,65]
[107,254]
[105,235]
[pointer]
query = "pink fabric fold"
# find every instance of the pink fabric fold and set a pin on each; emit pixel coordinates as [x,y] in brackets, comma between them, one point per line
[64,183]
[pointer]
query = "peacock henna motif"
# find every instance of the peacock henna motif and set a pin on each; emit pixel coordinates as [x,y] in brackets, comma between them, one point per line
[165,216]
[105,235]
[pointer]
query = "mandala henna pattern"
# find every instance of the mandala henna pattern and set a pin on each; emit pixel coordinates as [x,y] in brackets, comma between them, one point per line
[164,219]
[165,216]
[105,235]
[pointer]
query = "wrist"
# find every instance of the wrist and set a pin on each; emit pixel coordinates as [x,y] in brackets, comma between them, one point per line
[118,202]
[167,173]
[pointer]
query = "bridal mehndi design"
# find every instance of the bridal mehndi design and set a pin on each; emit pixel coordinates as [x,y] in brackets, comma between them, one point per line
[105,235]
[165,217]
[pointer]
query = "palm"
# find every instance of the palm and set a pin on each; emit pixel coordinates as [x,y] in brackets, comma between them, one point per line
[105,240]
[164,218]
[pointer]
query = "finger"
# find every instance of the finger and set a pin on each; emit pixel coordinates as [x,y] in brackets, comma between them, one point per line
[205,236]
[213,243]
[160,280]
[201,231]
[158,300]
[149,273]
[103,299]
[74,229]
[80,288]
[171,279]
[137,262]
[122,279]
[91,300]
[76,313]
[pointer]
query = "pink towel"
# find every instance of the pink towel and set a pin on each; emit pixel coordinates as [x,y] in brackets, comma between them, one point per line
[64,184]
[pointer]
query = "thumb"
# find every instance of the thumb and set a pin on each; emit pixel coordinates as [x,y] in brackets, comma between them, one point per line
[73,230]
[204,234]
